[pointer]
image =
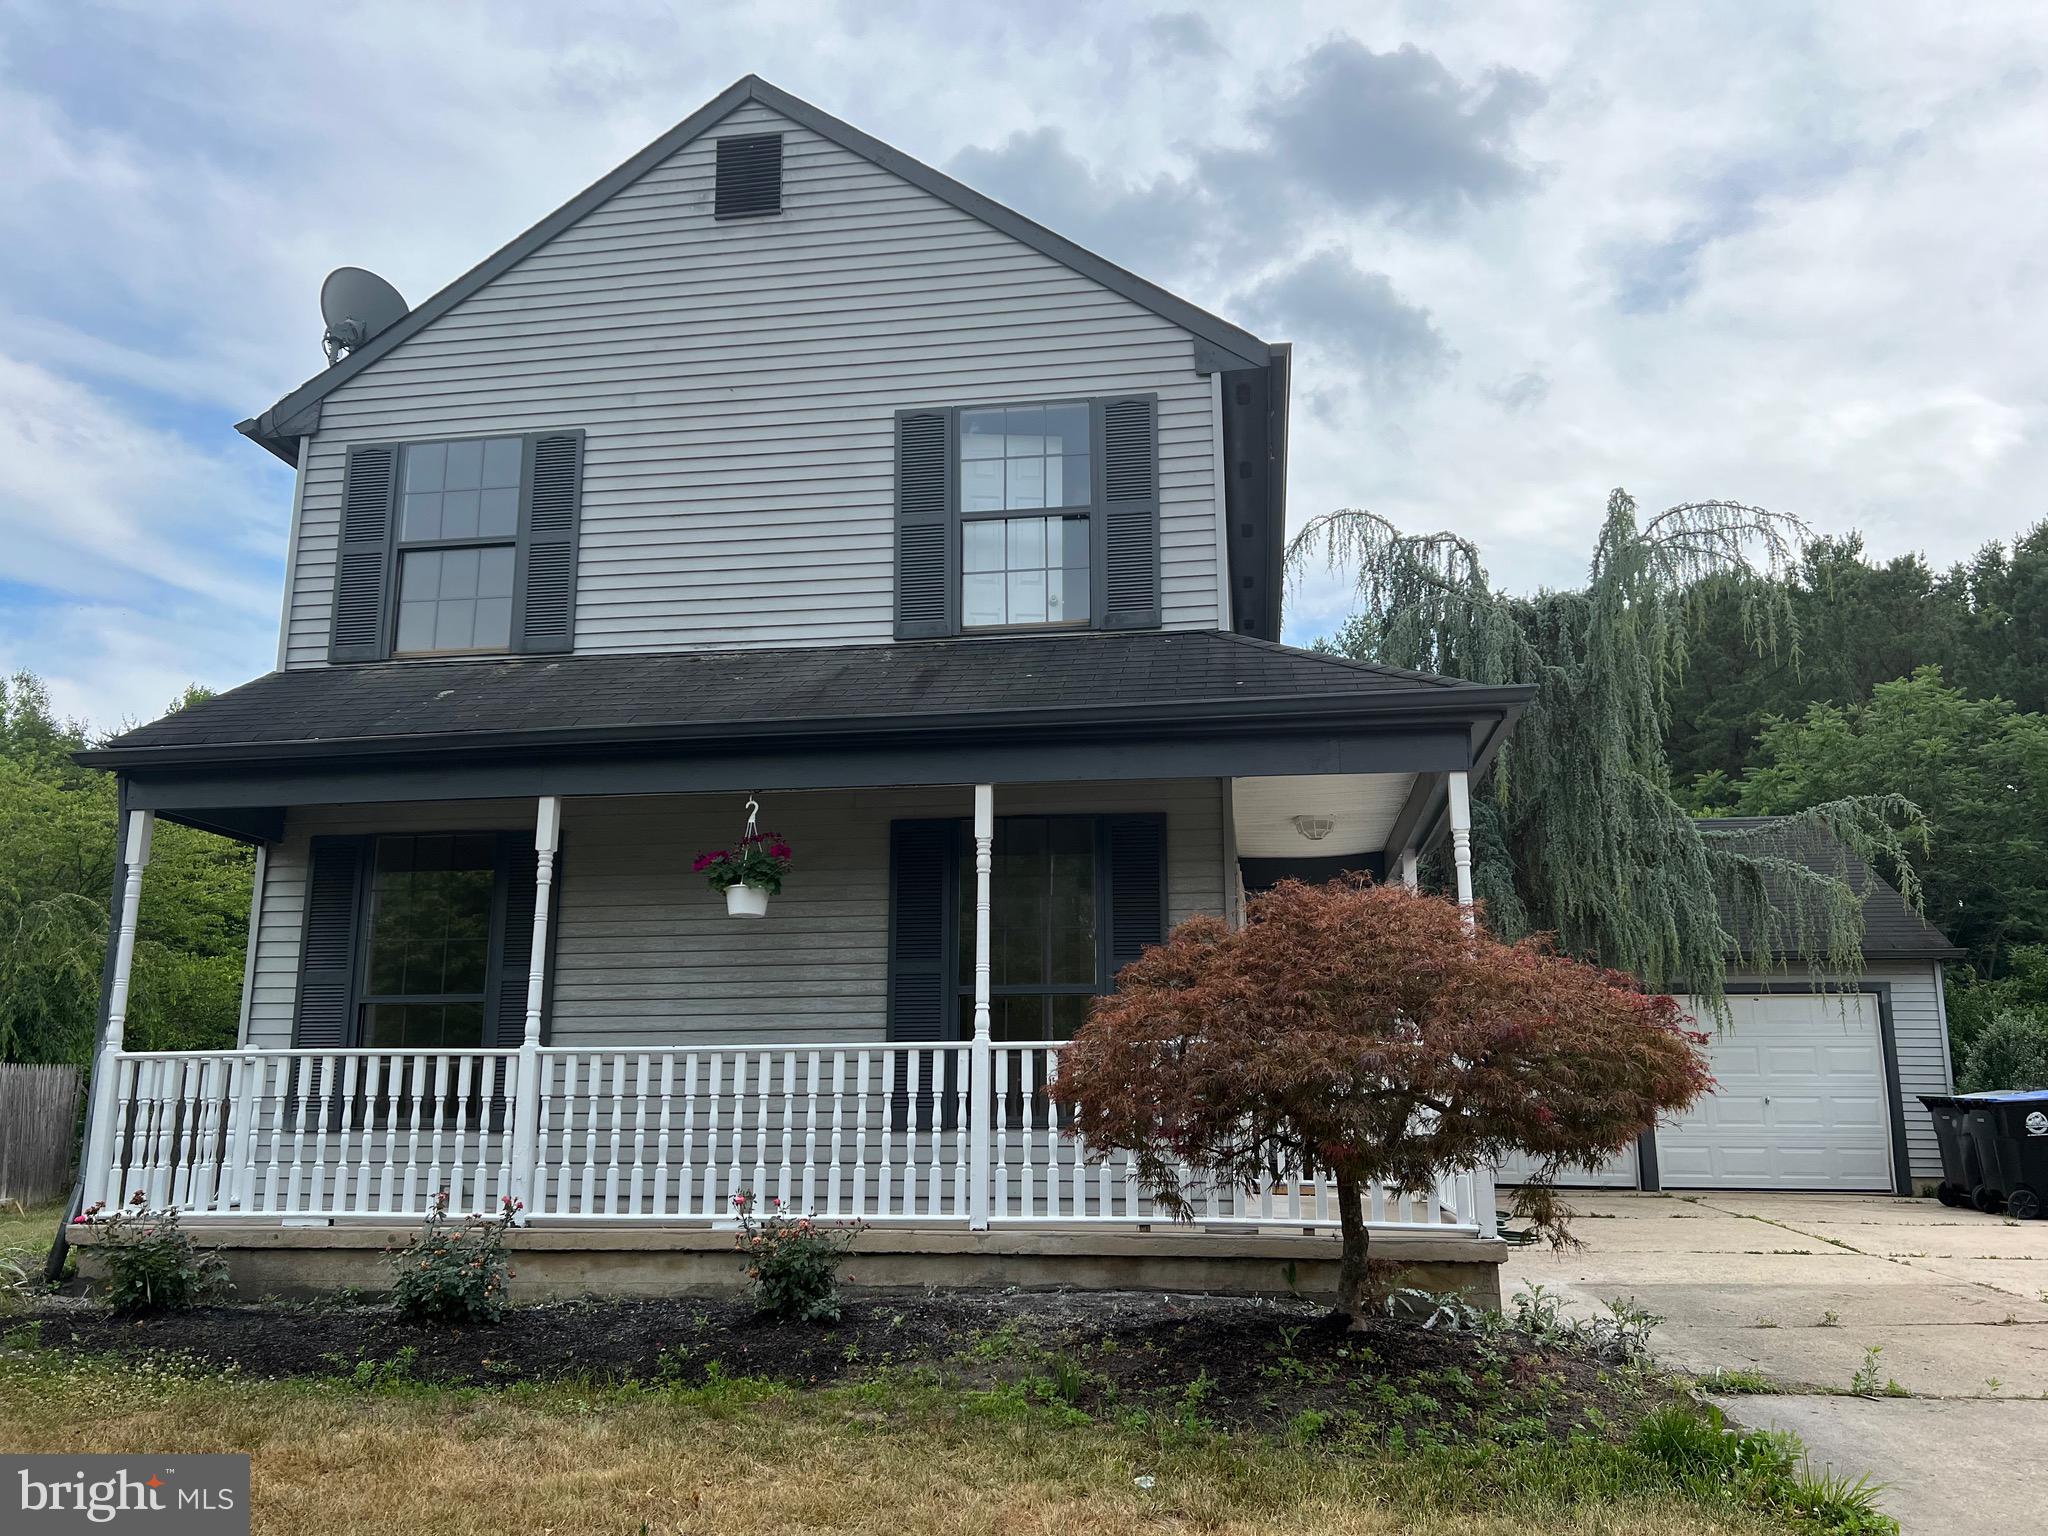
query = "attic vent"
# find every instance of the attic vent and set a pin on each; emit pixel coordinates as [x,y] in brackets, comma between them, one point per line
[749,176]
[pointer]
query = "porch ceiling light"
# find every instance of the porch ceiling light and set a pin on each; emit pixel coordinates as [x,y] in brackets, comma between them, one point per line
[1314,828]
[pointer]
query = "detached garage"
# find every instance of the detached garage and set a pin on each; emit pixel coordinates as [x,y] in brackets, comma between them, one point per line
[1816,1089]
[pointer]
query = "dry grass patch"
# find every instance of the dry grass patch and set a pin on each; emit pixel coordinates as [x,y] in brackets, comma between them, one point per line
[744,1458]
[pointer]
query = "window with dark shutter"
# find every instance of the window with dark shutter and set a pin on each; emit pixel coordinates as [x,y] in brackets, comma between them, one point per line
[459,546]
[749,176]
[1036,515]
[363,562]
[417,941]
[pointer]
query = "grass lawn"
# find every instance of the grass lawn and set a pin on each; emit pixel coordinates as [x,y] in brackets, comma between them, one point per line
[25,1235]
[736,1456]
[913,1413]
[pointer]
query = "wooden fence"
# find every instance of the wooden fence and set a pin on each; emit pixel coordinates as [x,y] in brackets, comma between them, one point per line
[38,1132]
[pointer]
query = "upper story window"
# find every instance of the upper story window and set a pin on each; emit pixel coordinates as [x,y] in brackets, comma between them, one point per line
[457,541]
[1025,570]
[1029,515]
[463,546]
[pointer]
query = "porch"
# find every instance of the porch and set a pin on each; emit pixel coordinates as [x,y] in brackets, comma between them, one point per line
[620,1056]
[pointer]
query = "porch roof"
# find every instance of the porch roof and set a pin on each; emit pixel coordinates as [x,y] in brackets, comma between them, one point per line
[667,696]
[1003,709]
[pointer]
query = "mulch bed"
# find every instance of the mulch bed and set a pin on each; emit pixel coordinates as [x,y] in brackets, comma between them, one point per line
[1210,1360]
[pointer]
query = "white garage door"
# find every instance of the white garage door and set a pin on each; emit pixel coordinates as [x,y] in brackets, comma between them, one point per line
[1798,1103]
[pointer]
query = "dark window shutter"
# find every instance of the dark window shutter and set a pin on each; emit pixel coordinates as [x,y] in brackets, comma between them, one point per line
[924,531]
[325,1018]
[1137,886]
[548,522]
[924,997]
[505,1020]
[749,177]
[923,991]
[1130,513]
[362,565]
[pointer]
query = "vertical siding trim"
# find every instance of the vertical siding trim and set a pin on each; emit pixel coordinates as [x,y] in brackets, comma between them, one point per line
[1217,483]
[291,554]
[1948,1065]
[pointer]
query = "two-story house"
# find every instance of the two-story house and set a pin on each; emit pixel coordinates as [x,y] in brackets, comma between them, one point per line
[774,470]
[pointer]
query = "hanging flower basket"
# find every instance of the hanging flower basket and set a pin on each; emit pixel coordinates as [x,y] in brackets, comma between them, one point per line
[745,901]
[749,872]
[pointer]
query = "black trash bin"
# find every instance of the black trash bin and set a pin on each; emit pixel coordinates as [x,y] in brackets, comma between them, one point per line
[1959,1174]
[2009,1133]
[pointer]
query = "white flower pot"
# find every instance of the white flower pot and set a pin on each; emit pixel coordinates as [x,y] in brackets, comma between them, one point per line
[745,901]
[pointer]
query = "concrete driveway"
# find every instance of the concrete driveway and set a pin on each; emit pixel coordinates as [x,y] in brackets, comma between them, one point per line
[1799,1288]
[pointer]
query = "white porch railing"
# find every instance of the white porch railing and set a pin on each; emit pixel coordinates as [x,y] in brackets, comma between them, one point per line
[887,1133]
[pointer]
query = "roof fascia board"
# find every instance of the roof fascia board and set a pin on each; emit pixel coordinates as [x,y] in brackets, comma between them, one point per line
[487,775]
[1462,712]
[287,417]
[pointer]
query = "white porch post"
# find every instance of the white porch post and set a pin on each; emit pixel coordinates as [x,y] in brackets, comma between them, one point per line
[1460,786]
[547,838]
[981,1063]
[1410,874]
[1461,837]
[140,830]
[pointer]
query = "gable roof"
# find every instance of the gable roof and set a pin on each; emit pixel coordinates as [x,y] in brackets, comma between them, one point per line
[1891,929]
[1130,681]
[1219,344]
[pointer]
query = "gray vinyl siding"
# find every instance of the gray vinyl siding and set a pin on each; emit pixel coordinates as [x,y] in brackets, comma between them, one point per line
[1923,1053]
[738,383]
[644,953]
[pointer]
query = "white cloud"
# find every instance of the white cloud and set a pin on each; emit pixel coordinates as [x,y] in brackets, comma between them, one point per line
[94,503]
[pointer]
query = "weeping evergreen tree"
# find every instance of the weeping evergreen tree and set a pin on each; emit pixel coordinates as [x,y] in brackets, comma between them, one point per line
[1579,833]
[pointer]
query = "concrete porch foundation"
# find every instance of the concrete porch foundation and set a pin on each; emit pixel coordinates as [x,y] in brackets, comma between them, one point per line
[554,1262]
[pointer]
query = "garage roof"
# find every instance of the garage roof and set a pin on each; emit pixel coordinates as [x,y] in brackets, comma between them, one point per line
[1892,930]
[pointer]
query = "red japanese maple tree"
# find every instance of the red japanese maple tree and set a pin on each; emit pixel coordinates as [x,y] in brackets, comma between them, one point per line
[1365,1032]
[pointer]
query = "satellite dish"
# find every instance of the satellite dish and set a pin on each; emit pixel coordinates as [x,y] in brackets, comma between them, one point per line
[356,305]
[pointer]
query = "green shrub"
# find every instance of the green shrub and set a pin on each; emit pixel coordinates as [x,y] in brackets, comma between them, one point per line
[455,1273]
[152,1263]
[792,1262]
[2009,1052]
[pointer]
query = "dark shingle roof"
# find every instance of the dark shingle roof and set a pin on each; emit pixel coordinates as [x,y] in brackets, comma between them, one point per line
[1153,674]
[1891,929]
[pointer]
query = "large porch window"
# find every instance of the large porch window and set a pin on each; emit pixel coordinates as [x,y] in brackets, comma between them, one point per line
[428,960]
[416,941]
[1047,958]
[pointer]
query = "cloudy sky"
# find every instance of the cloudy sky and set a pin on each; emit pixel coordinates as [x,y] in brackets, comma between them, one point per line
[1792,254]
